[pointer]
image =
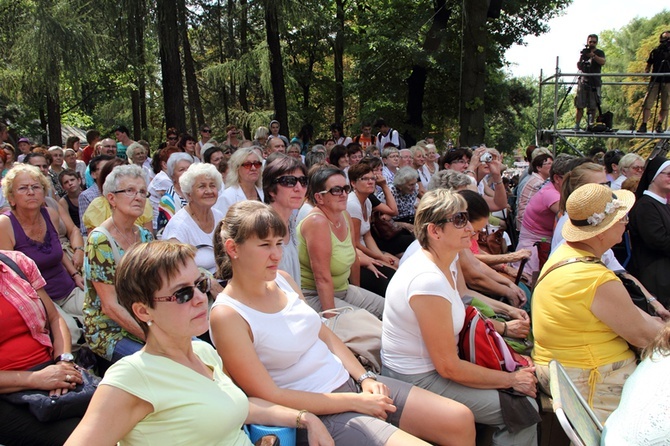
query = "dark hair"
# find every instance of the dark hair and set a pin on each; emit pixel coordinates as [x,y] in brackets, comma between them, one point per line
[373,162]
[539,160]
[92,135]
[338,151]
[353,147]
[379,122]
[107,169]
[207,156]
[93,164]
[612,157]
[317,182]
[529,152]
[275,168]
[306,132]
[477,207]
[244,219]
[337,126]
[69,143]
[172,131]
[561,165]
[70,172]
[35,154]
[454,155]
[204,126]
[143,270]
[357,171]
[122,129]
[183,139]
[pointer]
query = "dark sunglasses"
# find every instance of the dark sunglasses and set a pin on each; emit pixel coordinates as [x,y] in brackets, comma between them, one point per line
[290,181]
[337,190]
[247,165]
[206,130]
[459,219]
[185,294]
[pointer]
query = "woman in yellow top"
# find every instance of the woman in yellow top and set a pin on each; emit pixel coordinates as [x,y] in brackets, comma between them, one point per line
[582,314]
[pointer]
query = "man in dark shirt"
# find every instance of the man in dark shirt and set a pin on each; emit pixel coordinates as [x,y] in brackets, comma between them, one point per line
[658,62]
[591,60]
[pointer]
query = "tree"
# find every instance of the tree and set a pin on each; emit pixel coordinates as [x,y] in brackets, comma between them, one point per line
[173,87]
[276,64]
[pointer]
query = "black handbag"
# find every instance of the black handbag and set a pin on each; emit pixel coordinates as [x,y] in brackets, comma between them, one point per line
[50,408]
[636,294]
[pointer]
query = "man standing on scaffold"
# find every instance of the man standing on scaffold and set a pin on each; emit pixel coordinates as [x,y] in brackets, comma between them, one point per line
[659,61]
[591,60]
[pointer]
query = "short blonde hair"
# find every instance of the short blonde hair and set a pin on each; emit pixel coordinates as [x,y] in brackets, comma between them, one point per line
[435,207]
[34,172]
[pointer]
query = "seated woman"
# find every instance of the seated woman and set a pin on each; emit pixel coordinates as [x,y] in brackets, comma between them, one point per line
[326,249]
[405,190]
[642,415]
[631,165]
[34,354]
[424,315]
[275,347]
[173,200]
[359,206]
[110,330]
[587,322]
[243,180]
[650,230]
[174,390]
[541,169]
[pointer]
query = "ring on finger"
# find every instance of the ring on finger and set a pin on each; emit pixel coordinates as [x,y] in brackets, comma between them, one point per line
[68,378]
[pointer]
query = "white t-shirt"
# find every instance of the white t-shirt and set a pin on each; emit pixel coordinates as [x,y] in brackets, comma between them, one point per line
[403,348]
[183,228]
[356,211]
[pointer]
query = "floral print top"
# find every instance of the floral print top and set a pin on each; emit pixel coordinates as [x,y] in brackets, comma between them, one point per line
[102,333]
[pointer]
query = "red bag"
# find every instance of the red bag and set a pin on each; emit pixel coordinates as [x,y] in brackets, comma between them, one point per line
[480,344]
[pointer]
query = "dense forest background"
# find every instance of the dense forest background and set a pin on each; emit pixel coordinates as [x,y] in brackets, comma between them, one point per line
[429,67]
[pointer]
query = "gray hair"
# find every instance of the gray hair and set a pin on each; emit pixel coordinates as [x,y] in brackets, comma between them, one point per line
[316,148]
[174,159]
[260,132]
[188,178]
[404,175]
[628,159]
[388,151]
[416,149]
[448,179]
[235,163]
[130,151]
[114,178]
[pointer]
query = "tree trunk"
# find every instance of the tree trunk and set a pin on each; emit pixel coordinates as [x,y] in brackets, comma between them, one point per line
[473,73]
[194,104]
[142,61]
[222,59]
[276,67]
[173,87]
[338,54]
[244,48]
[53,119]
[416,84]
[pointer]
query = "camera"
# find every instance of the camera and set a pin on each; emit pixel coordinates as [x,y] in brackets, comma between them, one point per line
[486,158]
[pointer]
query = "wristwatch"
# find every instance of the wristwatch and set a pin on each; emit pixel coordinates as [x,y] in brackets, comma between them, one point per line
[67,357]
[365,376]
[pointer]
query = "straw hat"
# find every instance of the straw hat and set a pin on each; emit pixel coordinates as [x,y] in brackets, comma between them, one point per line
[593,209]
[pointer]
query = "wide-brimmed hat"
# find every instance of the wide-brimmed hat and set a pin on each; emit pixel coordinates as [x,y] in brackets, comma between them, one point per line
[593,209]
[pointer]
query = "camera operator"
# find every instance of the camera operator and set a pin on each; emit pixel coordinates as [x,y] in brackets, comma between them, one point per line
[659,60]
[591,60]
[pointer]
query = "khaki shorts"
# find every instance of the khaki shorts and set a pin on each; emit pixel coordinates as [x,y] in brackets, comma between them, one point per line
[652,94]
[587,96]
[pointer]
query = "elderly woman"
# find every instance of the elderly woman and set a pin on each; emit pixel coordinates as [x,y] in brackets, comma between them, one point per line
[261,136]
[31,227]
[405,191]
[173,199]
[161,182]
[243,181]
[418,163]
[137,154]
[431,166]
[631,165]
[588,322]
[486,168]
[34,353]
[650,230]
[194,223]
[329,266]
[541,169]
[424,314]
[110,330]
[293,150]
[391,160]
[55,159]
[72,163]
[284,188]
[174,390]
[276,347]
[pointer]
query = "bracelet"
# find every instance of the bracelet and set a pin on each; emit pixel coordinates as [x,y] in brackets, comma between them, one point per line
[504,333]
[80,248]
[495,183]
[652,299]
[298,424]
[468,172]
[75,273]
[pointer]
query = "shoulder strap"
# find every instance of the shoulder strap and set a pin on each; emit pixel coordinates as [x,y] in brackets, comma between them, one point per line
[112,243]
[12,264]
[585,259]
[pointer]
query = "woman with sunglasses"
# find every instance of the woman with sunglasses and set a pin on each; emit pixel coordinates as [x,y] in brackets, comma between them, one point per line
[275,347]
[174,391]
[424,315]
[284,187]
[329,266]
[243,180]
[631,165]
[111,332]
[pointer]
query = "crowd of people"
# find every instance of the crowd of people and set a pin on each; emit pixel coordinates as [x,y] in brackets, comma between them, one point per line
[202,283]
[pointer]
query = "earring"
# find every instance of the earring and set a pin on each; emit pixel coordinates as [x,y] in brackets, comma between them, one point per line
[150,323]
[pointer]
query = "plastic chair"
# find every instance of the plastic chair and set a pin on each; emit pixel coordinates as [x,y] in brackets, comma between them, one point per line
[286,435]
[576,417]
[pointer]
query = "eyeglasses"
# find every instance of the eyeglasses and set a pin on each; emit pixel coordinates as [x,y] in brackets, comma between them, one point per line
[637,168]
[606,183]
[460,161]
[132,193]
[23,190]
[337,190]
[185,294]
[206,130]
[109,146]
[249,164]
[624,219]
[290,181]
[459,219]
[367,179]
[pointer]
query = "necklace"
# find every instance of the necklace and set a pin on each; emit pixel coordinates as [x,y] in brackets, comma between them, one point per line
[203,224]
[336,226]
[129,241]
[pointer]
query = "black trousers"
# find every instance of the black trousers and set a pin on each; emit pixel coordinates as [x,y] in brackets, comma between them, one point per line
[18,427]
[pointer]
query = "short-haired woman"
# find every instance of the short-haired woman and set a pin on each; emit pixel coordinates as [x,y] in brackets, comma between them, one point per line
[243,180]
[173,199]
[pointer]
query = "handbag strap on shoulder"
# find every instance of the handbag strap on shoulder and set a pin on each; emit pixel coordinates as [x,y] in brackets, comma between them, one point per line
[584,259]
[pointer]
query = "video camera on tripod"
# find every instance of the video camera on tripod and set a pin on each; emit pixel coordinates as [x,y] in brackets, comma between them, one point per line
[585,58]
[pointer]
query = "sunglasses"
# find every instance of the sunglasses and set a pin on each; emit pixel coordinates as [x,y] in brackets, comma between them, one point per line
[290,181]
[337,190]
[459,219]
[185,294]
[249,164]
[206,130]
